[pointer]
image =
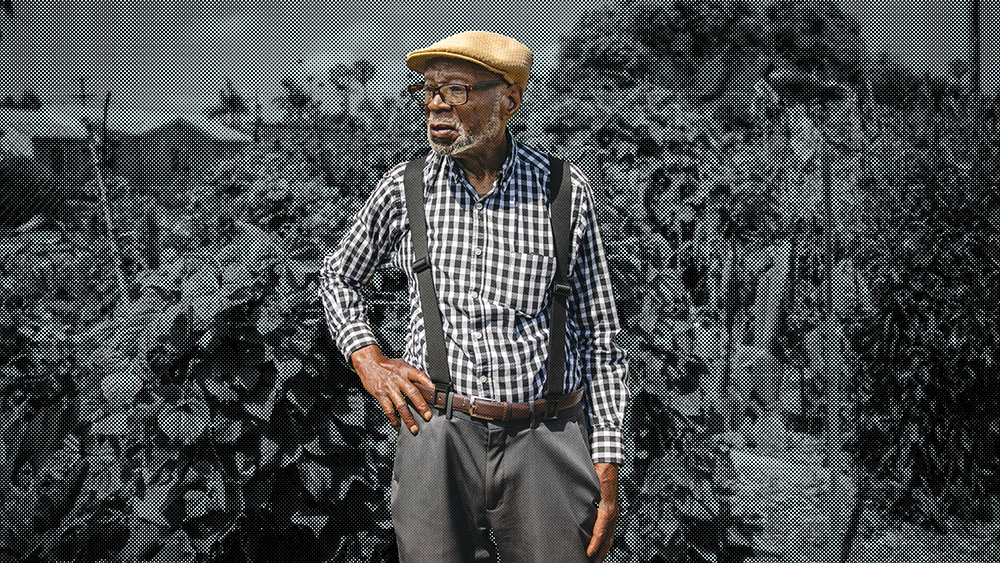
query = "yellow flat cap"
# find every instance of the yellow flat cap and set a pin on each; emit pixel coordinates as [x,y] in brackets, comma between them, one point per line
[498,53]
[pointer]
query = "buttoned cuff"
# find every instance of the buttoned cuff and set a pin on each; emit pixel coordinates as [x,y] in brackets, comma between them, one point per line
[606,445]
[353,337]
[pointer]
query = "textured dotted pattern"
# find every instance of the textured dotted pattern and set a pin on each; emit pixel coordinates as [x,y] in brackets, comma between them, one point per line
[212,448]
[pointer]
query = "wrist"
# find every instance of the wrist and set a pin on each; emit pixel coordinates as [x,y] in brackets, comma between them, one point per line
[606,469]
[363,355]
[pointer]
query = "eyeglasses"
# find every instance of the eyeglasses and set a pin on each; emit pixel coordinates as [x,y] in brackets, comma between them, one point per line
[451,94]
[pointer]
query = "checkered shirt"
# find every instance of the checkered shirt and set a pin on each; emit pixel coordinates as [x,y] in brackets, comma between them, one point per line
[493,259]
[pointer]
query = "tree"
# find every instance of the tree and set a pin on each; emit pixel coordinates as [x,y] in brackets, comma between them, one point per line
[231,105]
[985,440]
[296,101]
[977,47]
[8,8]
[352,82]
[891,83]
[363,71]
[357,115]
[816,36]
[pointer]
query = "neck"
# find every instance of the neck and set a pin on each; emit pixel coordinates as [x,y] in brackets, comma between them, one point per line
[481,168]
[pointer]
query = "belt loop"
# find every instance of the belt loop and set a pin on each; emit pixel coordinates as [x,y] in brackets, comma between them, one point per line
[534,418]
[552,406]
[448,400]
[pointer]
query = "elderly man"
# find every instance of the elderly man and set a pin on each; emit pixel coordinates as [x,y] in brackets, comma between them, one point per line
[499,444]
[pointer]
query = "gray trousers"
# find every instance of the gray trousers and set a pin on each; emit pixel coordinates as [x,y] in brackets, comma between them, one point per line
[532,485]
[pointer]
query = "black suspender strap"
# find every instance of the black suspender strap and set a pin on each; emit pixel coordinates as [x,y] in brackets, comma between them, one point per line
[561,190]
[436,360]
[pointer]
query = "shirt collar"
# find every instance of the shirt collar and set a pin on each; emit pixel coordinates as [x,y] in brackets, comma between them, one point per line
[511,163]
[507,169]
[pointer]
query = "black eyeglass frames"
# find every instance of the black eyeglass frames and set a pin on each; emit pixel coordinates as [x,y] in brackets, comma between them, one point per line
[451,94]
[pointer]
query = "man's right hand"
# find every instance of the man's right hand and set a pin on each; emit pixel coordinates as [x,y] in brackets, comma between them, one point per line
[388,380]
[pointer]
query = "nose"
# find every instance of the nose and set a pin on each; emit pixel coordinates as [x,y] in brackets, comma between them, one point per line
[436,103]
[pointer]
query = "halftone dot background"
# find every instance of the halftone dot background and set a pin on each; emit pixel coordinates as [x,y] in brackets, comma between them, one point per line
[174,396]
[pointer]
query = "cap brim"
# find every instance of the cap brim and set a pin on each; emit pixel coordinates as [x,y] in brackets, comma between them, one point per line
[418,62]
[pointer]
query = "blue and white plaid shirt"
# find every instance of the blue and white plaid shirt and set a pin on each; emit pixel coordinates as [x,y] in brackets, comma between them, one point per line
[493,259]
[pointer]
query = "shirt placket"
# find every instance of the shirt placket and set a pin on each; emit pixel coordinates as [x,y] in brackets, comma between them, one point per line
[484,385]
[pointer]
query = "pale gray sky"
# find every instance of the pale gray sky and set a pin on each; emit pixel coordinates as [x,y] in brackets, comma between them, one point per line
[165,54]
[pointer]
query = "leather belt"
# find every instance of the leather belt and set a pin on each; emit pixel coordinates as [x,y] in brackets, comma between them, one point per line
[494,410]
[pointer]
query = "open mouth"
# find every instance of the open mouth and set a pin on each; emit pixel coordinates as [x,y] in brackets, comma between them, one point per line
[442,130]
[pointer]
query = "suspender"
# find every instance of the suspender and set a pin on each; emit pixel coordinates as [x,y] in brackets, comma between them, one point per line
[560,188]
[436,361]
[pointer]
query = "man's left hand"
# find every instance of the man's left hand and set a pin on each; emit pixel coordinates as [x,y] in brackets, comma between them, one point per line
[607,513]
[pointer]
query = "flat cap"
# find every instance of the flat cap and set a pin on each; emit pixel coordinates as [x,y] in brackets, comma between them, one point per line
[498,53]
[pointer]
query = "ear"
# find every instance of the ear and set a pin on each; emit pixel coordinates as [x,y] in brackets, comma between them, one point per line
[515,94]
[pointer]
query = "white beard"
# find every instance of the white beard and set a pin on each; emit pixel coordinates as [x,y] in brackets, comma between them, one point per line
[465,142]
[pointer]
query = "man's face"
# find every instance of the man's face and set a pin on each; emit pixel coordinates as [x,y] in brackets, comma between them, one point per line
[472,127]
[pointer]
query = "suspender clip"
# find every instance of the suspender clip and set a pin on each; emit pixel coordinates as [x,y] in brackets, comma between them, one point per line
[552,406]
[421,264]
[441,389]
[442,393]
[561,289]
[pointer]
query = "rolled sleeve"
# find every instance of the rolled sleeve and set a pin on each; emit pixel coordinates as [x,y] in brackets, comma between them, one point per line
[606,445]
[368,245]
[593,328]
[351,336]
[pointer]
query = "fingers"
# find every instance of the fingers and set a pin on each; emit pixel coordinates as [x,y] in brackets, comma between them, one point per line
[390,411]
[415,397]
[404,410]
[393,403]
[410,373]
[401,378]
[604,535]
[419,376]
[390,381]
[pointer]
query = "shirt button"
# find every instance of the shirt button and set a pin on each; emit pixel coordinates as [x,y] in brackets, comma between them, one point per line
[474,295]
[479,206]
[483,379]
[477,335]
[479,252]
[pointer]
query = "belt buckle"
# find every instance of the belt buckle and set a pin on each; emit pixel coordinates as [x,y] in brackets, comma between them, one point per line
[472,410]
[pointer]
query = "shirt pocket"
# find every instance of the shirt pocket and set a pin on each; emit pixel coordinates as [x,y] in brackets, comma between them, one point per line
[523,281]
